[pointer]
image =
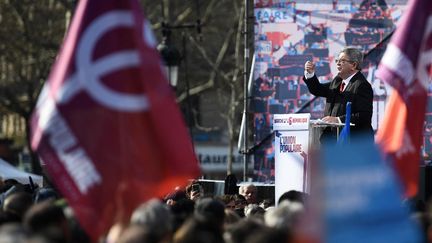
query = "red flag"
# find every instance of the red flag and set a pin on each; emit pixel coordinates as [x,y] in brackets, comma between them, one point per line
[406,66]
[106,124]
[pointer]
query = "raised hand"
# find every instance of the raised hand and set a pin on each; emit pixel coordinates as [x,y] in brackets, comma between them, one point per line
[310,67]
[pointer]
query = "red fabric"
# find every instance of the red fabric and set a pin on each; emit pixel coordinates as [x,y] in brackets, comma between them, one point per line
[277,38]
[107,126]
[400,137]
[406,66]
[341,87]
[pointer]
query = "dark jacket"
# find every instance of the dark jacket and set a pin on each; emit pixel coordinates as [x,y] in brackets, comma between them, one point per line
[358,92]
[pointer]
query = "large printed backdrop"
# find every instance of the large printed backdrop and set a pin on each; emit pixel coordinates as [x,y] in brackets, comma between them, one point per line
[288,33]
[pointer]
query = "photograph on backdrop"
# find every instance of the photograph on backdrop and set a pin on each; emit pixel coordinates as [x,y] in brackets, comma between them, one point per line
[289,33]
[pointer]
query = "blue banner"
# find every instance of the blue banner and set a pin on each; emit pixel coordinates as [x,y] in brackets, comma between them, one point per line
[362,198]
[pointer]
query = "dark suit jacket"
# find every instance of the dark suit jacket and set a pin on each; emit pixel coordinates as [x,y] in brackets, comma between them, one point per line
[358,91]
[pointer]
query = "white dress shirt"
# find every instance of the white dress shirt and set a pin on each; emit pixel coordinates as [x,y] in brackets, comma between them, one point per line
[347,80]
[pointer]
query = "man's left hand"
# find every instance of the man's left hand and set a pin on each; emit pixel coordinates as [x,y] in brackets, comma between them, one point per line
[331,119]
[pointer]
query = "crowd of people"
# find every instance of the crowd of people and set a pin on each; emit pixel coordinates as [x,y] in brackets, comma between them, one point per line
[186,215]
[32,214]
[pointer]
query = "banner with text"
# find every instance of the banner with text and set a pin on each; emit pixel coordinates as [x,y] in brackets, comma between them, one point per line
[291,149]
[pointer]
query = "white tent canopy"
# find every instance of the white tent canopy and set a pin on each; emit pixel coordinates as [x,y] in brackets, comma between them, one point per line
[7,171]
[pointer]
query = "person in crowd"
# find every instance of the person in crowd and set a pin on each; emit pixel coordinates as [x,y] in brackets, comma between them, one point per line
[240,204]
[349,85]
[253,210]
[240,231]
[137,234]
[249,191]
[8,186]
[175,196]
[45,193]
[7,218]
[285,216]
[212,211]
[231,217]
[230,185]
[206,225]
[182,210]
[13,233]
[77,232]
[293,196]
[194,190]
[155,216]
[229,201]
[268,234]
[48,220]
[17,204]
[194,232]
[266,203]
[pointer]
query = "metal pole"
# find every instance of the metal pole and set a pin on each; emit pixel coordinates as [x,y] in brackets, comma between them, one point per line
[189,118]
[245,90]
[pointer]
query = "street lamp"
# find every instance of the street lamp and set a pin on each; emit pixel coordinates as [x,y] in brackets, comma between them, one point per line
[171,57]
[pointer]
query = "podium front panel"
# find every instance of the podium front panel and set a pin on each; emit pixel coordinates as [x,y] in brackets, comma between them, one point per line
[291,150]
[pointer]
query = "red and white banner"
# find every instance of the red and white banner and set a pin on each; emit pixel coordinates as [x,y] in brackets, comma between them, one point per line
[106,125]
[406,66]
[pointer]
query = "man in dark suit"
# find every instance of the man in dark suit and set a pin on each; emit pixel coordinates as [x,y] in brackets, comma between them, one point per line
[348,85]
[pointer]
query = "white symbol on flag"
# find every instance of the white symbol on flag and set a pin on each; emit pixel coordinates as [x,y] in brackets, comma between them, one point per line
[89,73]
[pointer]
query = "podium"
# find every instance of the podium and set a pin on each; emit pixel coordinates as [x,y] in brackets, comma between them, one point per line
[316,128]
[295,136]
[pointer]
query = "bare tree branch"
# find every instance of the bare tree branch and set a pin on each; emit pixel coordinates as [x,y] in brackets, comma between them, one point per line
[181,17]
[221,54]
[209,10]
[215,66]
[238,42]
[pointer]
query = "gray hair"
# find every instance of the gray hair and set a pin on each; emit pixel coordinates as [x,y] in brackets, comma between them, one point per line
[154,215]
[355,55]
[242,188]
[253,209]
[286,215]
